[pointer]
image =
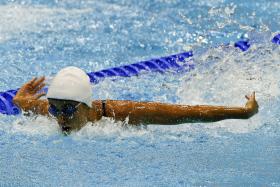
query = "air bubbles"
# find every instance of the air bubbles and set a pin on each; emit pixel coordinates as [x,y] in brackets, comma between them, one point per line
[243,36]
[230,10]
[201,39]
[141,45]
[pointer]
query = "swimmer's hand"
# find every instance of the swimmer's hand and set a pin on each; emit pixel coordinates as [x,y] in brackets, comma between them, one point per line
[27,97]
[251,105]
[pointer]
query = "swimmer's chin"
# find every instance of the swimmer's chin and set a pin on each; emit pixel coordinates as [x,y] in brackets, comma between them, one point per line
[67,130]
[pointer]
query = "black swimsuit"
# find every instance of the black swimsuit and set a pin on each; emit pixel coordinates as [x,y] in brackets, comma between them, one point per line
[104,108]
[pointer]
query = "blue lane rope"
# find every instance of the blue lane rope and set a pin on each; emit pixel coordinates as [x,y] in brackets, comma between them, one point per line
[276,39]
[163,64]
[243,45]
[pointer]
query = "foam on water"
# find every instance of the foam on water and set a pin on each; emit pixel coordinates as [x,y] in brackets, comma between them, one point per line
[223,76]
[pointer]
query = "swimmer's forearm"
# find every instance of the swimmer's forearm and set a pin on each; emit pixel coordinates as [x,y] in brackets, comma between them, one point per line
[34,106]
[204,113]
[161,113]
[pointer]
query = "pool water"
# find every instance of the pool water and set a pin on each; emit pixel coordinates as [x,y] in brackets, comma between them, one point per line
[40,37]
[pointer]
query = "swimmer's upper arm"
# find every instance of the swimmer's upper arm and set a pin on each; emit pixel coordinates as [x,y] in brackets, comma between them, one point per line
[135,112]
[96,112]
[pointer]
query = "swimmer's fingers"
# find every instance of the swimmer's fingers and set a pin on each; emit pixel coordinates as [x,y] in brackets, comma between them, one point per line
[254,96]
[39,87]
[26,88]
[38,82]
[251,97]
[29,83]
[31,86]
[37,96]
[32,81]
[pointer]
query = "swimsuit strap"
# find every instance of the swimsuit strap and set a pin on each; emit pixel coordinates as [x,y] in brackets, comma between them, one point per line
[104,108]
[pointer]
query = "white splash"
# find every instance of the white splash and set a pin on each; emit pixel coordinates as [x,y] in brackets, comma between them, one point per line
[107,127]
[38,125]
[224,76]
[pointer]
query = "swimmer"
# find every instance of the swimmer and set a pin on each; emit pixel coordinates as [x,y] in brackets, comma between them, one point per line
[69,102]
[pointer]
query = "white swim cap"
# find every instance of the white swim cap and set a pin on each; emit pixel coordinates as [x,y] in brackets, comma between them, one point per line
[71,83]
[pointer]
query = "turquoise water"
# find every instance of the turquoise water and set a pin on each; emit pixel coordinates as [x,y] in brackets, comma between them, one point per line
[40,37]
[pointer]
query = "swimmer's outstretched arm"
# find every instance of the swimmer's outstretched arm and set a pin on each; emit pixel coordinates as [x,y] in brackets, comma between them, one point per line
[168,114]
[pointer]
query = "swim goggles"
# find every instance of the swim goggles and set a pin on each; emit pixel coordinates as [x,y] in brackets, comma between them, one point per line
[66,110]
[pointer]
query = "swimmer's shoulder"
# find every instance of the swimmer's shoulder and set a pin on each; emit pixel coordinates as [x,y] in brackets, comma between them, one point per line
[95,112]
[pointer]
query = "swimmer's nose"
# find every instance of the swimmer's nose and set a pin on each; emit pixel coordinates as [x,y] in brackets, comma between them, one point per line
[63,124]
[61,120]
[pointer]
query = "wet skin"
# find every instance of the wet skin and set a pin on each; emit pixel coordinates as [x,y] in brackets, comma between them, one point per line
[73,122]
[28,99]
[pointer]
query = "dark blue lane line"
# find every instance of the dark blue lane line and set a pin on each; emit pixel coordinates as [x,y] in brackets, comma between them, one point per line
[276,39]
[5,104]
[243,45]
[132,71]
[109,73]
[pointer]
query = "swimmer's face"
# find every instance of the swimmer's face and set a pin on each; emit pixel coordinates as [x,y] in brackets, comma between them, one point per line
[70,115]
